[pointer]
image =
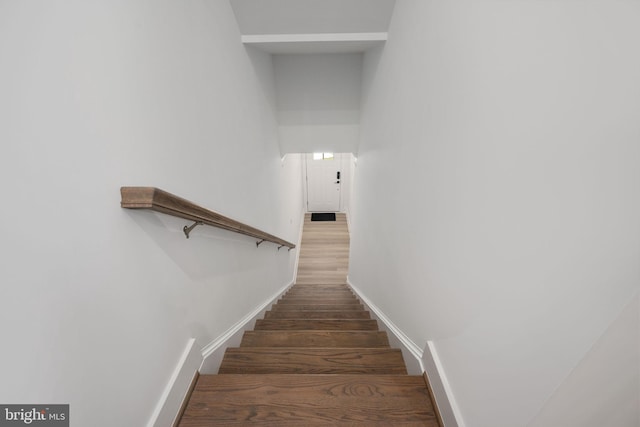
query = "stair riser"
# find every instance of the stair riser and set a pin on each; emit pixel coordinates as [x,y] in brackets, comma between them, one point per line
[338,278]
[312,361]
[319,294]
[318,307]
[307,301]
[320,288]
[341,339]
[316,324]
[284,314]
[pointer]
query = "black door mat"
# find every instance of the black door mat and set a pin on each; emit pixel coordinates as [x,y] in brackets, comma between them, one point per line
[331,216]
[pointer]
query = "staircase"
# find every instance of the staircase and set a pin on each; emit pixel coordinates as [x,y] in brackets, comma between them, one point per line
[317,358]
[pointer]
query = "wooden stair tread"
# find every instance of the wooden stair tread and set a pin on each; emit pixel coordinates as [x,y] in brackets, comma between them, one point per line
[320,286]
[335,277]
[309,400]
[269,360]
[325,293]
[349,339]
[319,291]
[287,372]
[355,304]
[306,301]
[317,324]
[317,314]
[321,297]
[318,295]
[321,307]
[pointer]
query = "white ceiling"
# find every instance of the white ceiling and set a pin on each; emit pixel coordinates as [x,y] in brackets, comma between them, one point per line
[308,17]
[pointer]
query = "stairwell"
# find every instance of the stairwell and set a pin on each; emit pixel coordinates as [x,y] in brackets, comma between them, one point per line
[317,357]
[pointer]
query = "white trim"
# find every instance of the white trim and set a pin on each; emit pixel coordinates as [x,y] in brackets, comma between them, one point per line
[306,38]
[426,359]
[213,352]
[295,266]
[406,344]
[305,186]
[445,399]
[193,360]
[177,388]
[314,43]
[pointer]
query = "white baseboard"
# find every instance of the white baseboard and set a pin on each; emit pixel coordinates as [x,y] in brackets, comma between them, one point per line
[213,352]
[442,393]
[295,266]
[177,388]
[204,361]
[411,352]
[347,213]
[417,359]
[208,359]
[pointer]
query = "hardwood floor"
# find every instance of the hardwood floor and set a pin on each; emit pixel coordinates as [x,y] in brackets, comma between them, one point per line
[324,252]
[317,357]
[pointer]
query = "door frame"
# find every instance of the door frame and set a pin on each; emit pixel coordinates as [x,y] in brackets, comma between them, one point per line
[344,177]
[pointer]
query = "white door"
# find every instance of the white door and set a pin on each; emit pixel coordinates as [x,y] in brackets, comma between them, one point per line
[323,182]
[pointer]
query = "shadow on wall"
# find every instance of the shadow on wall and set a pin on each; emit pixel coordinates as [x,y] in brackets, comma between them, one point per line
[209,252]
[318,101]
[263,68]
[613,362]
[370,66]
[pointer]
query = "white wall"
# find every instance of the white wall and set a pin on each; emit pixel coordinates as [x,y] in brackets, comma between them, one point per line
[497,192]
[606,377]
[318,101]
[98,302]
[347,178]
[312,16]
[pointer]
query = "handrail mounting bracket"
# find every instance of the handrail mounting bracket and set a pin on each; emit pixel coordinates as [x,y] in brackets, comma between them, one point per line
[188,229]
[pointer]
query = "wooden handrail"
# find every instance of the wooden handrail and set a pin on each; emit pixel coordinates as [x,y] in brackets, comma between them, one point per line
[160,201]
